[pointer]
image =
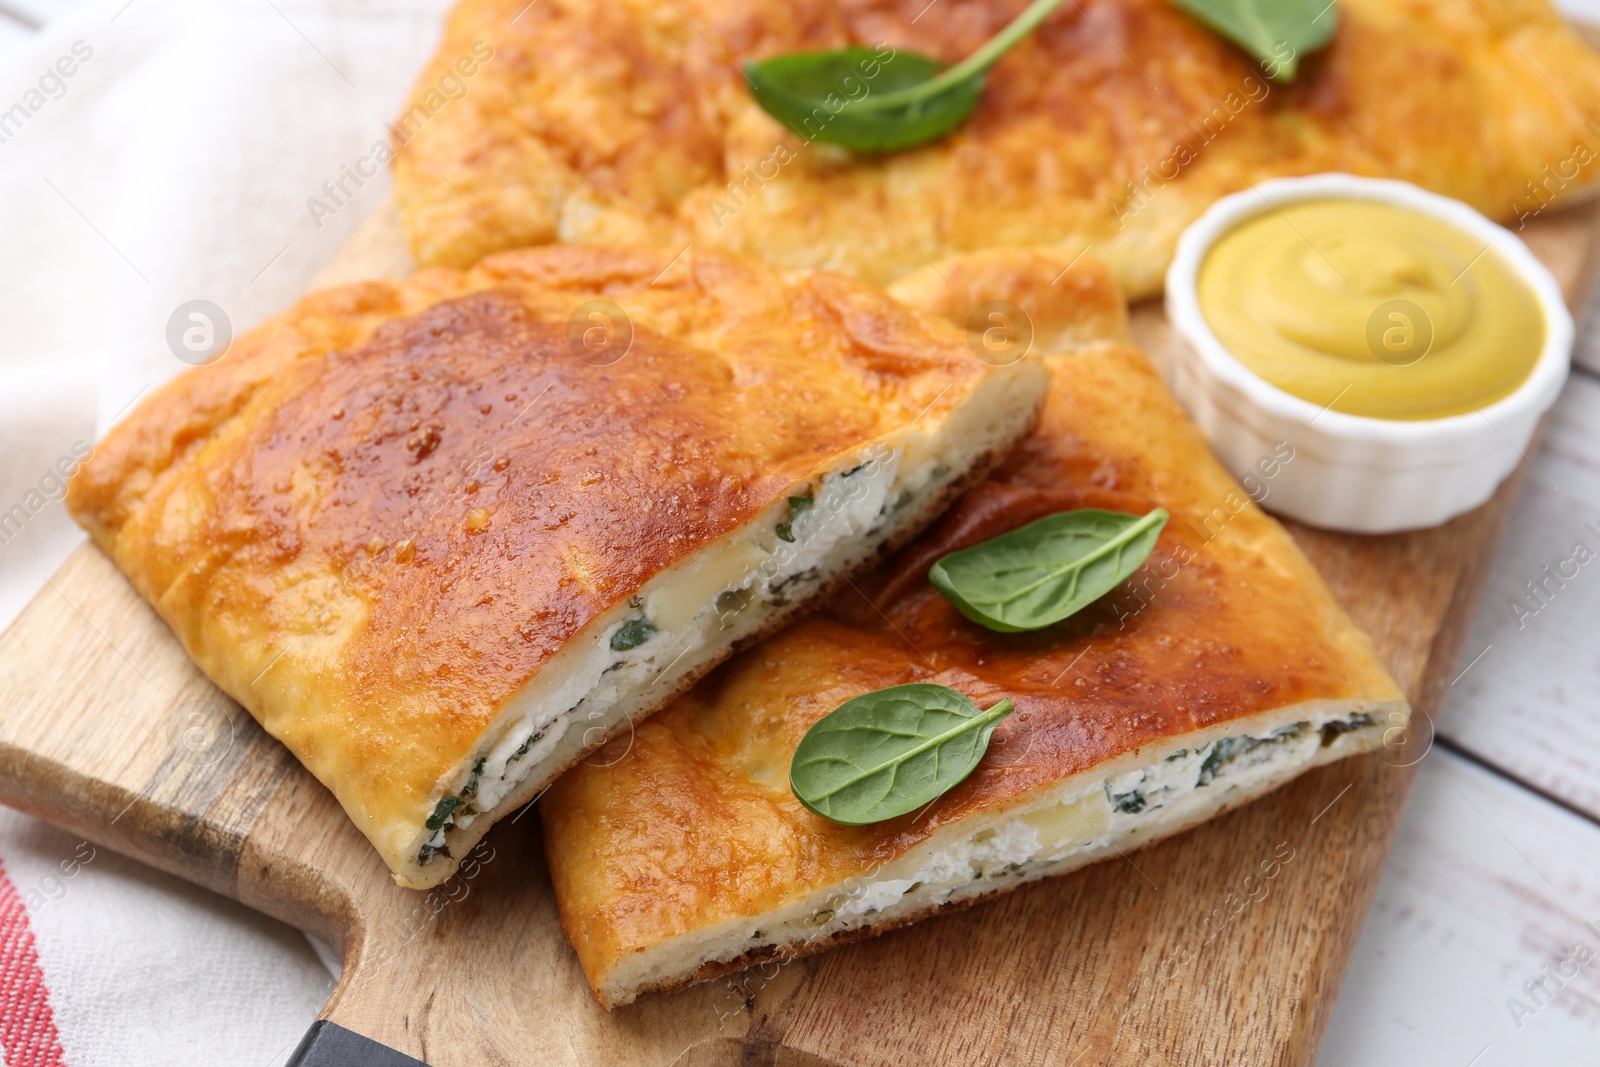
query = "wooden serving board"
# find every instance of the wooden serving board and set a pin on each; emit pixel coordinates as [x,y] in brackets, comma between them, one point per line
[108,730]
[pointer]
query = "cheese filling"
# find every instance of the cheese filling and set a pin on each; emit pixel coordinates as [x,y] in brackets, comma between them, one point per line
[814,535]
[1118,811]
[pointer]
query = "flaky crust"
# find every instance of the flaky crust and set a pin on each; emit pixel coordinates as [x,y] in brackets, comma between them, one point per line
[1113,126]
[693,825]
[383,512]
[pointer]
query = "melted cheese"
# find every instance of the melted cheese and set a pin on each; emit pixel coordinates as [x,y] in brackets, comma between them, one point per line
[674,607]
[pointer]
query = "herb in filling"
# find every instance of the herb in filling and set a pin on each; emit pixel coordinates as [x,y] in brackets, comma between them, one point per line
[443,812]
[1332,730]
[523,749]
[798,506]
[631,634]
[733,601]
[1129,803]
[1223,751]
[471,789]
[807,575]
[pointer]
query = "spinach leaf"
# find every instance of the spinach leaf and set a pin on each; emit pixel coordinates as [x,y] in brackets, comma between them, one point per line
[859,99]
[889,752]
[1275,32]
[1040,573]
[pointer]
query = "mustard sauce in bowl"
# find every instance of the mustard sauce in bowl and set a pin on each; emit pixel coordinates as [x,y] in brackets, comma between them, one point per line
[1371,309]
[1400,347]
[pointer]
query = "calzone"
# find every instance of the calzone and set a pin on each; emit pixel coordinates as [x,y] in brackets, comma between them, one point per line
[444,536]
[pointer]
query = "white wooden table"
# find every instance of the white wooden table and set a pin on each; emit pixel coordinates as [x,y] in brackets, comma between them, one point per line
[1483,948]
[1496,869]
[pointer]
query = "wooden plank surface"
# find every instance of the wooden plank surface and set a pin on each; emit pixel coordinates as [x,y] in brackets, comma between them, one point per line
[1494,871]
[1488,885]
[1530,679]
[106,728]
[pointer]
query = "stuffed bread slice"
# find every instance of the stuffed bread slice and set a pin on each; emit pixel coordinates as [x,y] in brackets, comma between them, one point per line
[1114,125]
[442,538]
[1220,671]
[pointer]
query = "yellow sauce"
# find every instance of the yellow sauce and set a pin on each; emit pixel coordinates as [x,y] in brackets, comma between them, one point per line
[1371,309]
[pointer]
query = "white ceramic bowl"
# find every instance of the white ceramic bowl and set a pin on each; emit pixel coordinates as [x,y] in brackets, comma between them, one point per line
[1350,472]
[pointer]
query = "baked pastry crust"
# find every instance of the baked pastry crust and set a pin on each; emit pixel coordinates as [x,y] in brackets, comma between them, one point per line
[1112,127]
[383,518]
[687,855]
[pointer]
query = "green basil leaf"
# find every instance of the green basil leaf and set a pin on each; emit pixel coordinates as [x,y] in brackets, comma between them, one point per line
[806,91]
[856,98]
[1277,33]
[889,752]
[1040,573]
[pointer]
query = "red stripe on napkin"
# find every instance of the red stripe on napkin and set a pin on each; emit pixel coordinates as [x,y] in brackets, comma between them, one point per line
[27,1025]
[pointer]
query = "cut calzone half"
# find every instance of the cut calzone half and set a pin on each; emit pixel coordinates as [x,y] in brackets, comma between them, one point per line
[444,536]
[1221,670]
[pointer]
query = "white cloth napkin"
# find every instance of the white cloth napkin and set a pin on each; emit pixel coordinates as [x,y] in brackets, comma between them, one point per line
[140,968]
[174,163]
[154,152]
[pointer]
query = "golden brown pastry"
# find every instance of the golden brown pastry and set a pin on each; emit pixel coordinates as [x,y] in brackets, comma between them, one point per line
[441,548]
[1221,670]
[1111,127]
